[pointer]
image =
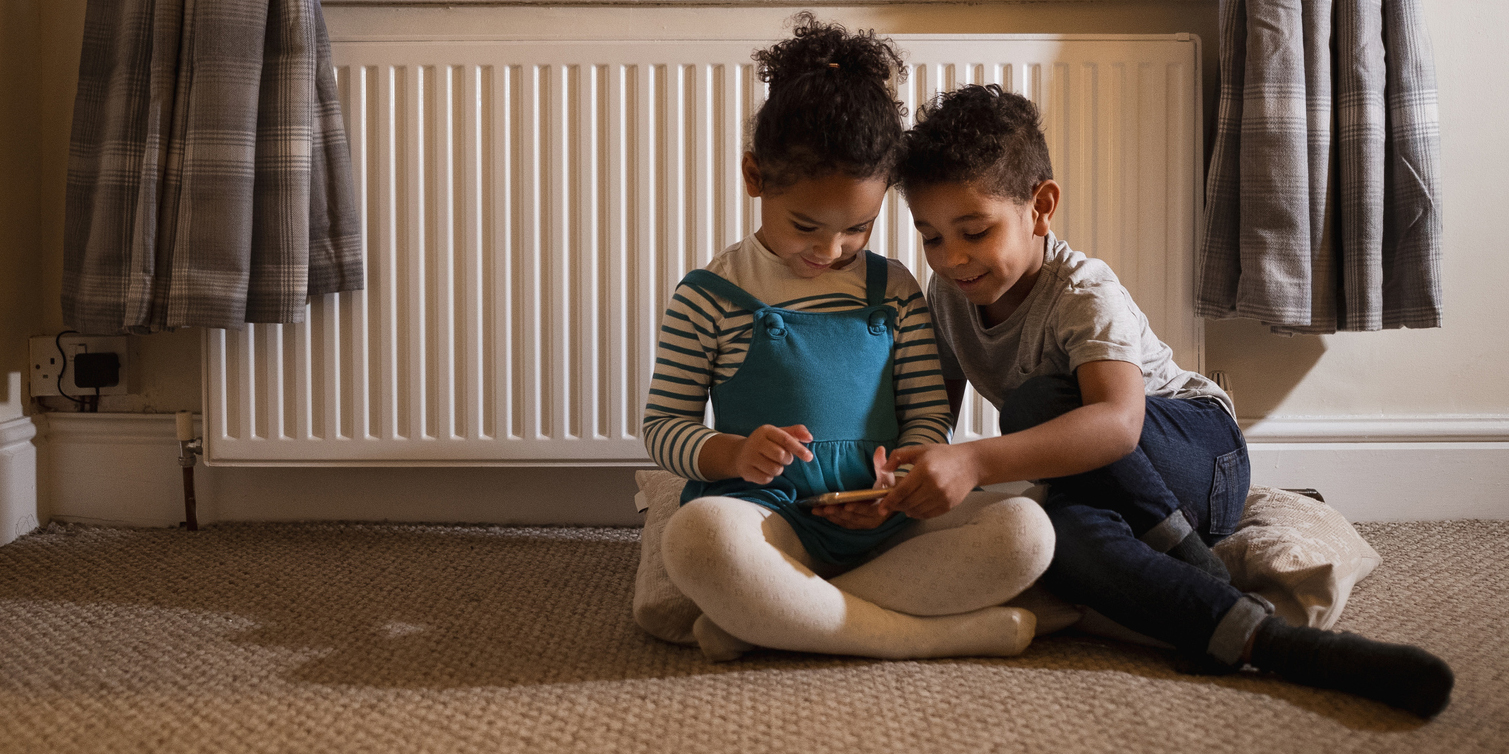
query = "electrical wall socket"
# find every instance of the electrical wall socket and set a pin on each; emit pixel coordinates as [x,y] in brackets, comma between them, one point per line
[46,362]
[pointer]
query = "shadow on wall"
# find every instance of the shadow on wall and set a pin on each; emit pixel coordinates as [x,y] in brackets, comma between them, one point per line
[1263,367]
[10,389]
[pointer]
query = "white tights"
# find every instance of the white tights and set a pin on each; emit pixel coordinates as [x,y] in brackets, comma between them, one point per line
[934,589]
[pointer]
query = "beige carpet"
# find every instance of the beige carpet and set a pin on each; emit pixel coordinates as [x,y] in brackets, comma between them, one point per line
[368,637]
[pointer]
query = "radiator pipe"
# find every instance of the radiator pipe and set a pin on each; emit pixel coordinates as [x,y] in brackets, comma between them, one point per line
[189,448]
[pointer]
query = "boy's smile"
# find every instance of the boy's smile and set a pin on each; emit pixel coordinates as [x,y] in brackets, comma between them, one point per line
[816,224]
[990,246]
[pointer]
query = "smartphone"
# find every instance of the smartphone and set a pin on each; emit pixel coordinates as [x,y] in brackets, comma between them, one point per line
[852,496]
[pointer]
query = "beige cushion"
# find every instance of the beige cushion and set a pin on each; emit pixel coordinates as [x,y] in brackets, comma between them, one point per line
[659,607]
[1298,553]
[1295,551]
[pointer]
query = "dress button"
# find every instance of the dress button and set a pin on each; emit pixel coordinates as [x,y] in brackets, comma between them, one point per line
[877,323]
[774,325]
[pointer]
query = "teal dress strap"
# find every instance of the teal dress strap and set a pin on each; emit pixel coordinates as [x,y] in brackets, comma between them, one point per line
[713,283]
[877,274]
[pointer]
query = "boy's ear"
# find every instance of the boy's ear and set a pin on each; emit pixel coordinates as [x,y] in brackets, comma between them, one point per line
[751,170]
[1044,204]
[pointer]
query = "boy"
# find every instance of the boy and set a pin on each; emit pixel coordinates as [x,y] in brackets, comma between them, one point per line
[1145,463]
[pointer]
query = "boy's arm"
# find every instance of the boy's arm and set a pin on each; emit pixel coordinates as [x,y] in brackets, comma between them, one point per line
[1103,430]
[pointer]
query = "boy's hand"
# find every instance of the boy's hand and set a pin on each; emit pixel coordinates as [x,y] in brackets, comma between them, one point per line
[885,474]
[766,452]
[941,476]
[862,515]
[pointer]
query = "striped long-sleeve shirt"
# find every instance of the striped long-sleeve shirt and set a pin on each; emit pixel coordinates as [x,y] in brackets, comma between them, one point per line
[703,340]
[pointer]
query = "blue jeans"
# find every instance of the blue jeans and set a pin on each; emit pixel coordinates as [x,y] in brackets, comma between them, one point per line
[1189,473]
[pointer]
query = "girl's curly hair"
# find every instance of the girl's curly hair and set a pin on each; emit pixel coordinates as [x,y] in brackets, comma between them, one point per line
[831,109]
[978,135]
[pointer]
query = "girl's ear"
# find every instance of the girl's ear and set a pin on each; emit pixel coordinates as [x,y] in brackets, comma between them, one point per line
[751,170]
[1044,204]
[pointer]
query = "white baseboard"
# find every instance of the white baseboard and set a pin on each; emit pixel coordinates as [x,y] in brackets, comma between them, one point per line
[1475,428]
[1389,468]
[1415,481]
[123,469]
[19,501]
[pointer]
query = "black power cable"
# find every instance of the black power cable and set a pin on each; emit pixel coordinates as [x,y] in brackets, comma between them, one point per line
[58,341]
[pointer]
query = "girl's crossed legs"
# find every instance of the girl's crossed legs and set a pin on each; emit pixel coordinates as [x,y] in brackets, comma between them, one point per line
[934,590]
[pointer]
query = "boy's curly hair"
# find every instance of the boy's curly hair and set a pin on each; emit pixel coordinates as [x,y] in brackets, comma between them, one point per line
[830,109]
[978,135]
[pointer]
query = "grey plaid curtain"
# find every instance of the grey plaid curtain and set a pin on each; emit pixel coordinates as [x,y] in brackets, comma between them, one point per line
[1322,209]
[209,178]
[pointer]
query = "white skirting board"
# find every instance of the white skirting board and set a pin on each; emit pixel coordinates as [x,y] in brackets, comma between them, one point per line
[19,504]
[123,469]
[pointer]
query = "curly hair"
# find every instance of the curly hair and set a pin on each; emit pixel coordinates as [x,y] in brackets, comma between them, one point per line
[830,108]
[978,135]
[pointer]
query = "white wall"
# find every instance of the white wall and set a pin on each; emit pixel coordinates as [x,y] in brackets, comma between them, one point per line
[1402,379]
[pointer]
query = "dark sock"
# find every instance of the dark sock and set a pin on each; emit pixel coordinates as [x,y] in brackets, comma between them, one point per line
[1398,675]
[1195,552]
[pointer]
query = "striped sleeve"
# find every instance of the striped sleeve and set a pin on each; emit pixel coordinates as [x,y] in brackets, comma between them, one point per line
[685,360]
[921,401]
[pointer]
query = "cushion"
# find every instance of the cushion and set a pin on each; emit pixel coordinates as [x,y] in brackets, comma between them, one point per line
[659,607]
[1299,554]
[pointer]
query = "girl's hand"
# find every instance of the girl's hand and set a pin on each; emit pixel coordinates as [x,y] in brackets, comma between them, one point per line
[766,452]
[941,476]
[852,515]
[866,515]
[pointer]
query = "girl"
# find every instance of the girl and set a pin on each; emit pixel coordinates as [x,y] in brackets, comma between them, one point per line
[818,357]
[1145,463]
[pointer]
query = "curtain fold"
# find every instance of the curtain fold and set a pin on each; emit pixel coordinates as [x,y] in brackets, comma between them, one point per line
[1322,205]
[209,179]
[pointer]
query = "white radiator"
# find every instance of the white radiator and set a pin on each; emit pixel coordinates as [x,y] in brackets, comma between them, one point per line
[529,206]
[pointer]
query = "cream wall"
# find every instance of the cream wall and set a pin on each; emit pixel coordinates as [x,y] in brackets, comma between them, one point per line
[20,266]
[1458,369]
[20,261]
[1454,372]
[168,379]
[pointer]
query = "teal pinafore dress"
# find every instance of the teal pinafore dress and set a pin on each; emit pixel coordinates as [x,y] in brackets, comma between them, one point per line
[831,371]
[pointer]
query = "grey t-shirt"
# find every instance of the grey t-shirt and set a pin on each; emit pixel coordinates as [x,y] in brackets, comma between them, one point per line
[1077,312]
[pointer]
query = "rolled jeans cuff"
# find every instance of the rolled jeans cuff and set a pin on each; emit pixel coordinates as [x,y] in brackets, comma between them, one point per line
[1171,531]
[1237,626]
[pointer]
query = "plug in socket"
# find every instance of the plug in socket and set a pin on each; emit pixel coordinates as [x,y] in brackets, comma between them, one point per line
[46,363]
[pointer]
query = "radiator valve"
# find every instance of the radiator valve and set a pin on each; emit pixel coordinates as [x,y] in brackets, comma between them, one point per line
[189,446]
[189,449]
